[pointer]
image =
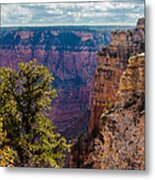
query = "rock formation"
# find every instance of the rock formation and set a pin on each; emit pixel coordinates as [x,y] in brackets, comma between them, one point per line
[111,62]
[115,139]
[122,128]
[119,142]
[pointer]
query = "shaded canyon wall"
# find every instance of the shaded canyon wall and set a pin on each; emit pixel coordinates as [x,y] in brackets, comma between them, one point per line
[69,53]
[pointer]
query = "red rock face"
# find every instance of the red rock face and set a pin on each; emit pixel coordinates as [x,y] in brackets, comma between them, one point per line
[120,140]
[117,107]
[106,79]
[111,62]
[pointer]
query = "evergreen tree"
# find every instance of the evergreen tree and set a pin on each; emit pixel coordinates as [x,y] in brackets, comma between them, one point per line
[7,155]
[25,101]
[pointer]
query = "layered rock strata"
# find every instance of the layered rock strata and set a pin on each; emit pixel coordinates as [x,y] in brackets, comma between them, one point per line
[119,142]
[117,107]
[122,128]
[111,62]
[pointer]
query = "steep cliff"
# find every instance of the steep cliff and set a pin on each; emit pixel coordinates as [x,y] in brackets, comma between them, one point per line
[119,142]
[111,62]
[115,138]
[122,128]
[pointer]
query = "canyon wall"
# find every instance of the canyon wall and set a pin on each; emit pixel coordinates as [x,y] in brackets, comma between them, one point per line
[111,62]
[101,92]
[120,140]
[69,53]
[115,137]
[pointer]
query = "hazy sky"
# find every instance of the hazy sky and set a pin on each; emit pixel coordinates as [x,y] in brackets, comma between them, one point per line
[88,13]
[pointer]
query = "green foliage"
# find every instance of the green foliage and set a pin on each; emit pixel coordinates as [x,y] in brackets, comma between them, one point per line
[25,100]
[7,155]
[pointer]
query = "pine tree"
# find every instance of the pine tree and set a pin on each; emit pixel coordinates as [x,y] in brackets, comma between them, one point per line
[25,101]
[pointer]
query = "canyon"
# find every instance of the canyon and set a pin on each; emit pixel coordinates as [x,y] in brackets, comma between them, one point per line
[99,78]
[69,53]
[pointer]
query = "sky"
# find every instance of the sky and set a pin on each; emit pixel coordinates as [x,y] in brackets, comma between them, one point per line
[112,12]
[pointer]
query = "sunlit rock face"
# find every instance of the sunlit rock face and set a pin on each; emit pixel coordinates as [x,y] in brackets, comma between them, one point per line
[119,140]
[115,137]
[122,128]
[111,62]
[70,55]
